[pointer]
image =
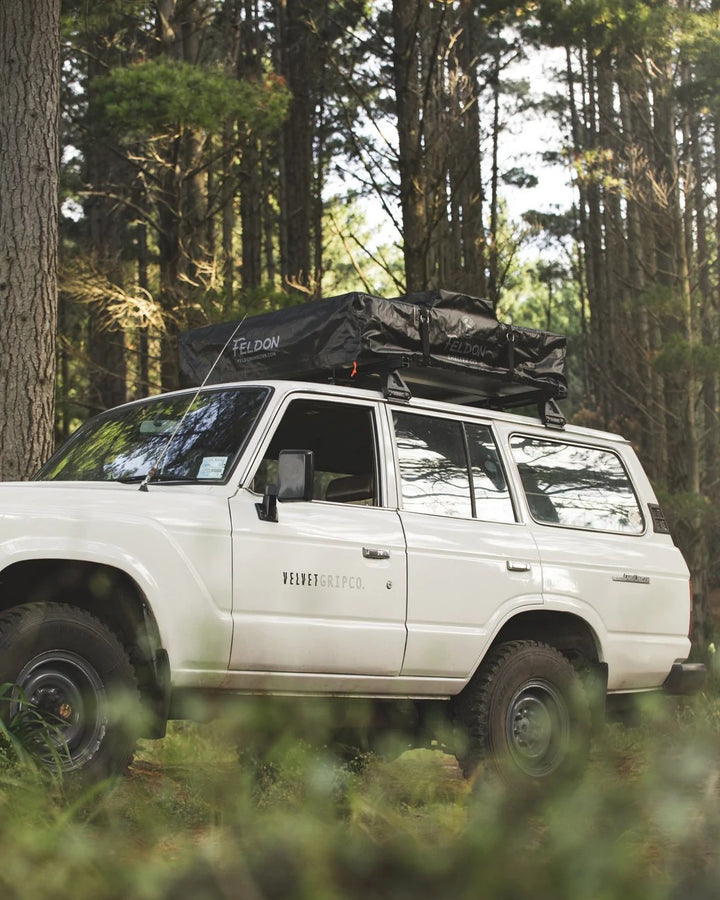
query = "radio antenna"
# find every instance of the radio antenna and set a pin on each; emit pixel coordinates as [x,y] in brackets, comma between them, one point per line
[154,469]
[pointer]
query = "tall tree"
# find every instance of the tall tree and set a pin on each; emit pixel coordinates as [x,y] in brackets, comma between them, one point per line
[163,118]
[105,219]
[638,141]
[298,54]
[446,59]
[29,161]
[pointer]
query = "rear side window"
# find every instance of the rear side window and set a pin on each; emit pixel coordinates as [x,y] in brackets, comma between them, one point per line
[576,486]
[451,468]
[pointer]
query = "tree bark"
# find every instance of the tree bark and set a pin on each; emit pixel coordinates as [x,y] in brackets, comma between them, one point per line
[182,210]
[29,160]
[297,65]
[648,388]
[406,17]
[466,180]
[106,232]
[250,181]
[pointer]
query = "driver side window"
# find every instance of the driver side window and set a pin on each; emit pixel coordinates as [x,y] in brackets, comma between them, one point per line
[342,439]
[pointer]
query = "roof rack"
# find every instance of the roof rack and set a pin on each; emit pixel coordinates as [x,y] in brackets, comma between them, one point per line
[399,381]
[437,345]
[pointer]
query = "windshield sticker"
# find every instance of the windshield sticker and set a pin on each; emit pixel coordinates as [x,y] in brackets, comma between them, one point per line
[212,467]
[159,426]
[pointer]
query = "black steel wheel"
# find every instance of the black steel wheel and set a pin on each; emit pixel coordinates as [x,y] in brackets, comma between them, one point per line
[525,712]
[74,682]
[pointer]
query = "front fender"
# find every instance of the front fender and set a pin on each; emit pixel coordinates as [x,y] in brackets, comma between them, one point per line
[175,545]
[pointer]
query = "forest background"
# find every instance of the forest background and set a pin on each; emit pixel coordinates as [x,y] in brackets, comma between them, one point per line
[224,157]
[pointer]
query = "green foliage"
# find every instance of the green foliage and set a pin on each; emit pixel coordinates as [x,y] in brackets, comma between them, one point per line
[190,821]
[688,514]
[544,297]
[678,355]
[27,738]
[700,44]
[164,93]
[606,24]
[357,255]
[673,357]
[519,177]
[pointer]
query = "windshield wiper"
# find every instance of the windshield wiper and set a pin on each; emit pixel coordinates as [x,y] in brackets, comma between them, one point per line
[151,476]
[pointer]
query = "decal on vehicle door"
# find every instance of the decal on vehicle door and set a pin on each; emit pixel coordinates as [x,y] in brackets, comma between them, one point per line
[323,580]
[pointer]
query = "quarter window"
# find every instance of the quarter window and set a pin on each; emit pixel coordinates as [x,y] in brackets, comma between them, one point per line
[450,468]
[490,490]
[576,486]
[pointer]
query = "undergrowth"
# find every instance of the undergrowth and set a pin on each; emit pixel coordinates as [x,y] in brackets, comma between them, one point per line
[195,819]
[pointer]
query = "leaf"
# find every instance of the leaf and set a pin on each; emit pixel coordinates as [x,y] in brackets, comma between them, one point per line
[165,94]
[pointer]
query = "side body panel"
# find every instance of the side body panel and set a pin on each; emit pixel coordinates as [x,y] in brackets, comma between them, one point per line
[310,594]
[465,574]
[372,600]
[465,577]
[323,589]
[173,541]
[631,588]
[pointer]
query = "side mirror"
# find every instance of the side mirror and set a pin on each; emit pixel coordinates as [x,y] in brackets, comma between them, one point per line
[295,475]
[295,482]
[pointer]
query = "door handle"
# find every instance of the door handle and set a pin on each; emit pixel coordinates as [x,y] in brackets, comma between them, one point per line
[375,553]
[513,566]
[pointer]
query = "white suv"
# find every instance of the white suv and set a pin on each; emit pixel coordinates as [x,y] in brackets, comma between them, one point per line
[307,539]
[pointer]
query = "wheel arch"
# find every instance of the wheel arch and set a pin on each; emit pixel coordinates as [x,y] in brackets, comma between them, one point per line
[572,635]
[112,596]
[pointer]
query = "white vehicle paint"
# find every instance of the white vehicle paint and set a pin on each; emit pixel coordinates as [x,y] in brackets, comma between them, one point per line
[392,581]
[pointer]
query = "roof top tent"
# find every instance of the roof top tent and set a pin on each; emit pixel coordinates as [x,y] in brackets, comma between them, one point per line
[436,344]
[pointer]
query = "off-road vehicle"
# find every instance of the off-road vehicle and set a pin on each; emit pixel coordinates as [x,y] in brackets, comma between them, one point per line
[382,526]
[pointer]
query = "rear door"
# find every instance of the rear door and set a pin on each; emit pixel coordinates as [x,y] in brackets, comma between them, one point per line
[470,561]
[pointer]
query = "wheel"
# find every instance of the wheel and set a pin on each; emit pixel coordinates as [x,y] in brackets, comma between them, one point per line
[526,712]
[71,675]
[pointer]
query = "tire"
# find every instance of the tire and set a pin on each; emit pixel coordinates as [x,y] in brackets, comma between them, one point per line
[71,670]
[525,711]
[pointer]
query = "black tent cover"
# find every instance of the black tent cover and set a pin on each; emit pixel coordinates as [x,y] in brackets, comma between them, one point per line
[444,345]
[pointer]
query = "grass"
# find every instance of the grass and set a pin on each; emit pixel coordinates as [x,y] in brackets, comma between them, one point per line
[191,821]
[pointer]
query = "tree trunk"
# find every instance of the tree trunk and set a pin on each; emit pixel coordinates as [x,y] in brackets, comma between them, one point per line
[194,207]
[407,25]
[106,224]
[181,209]
[297,67]
[582,222]
[596,270]
[649,387]
[29,159]
[250,181]
[466,180]
[673,278]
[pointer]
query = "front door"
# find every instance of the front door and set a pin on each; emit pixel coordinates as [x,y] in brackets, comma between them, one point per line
[323,589]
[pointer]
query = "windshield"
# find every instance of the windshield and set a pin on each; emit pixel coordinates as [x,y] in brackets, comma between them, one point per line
[179,438]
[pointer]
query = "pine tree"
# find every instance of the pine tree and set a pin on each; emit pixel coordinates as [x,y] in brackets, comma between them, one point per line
[29,154]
